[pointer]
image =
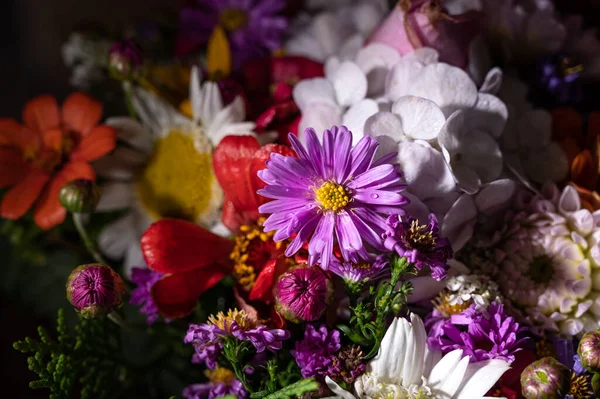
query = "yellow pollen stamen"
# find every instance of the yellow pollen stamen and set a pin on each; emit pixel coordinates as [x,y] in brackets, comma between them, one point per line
[442,304]
[333,196]
[223,321]
[361,266]
[233,19]
[419,236]
[220,375]
[178,180]
[581,387]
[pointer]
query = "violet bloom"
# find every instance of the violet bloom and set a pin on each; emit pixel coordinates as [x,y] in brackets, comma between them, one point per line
[483,335]
[362,272]
[142,294]
[315,354]
[236,323]
[222,382]
[331,190]
[95,290]
[421,245]
[254,27]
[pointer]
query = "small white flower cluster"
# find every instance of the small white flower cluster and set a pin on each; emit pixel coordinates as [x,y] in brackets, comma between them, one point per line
[477,289]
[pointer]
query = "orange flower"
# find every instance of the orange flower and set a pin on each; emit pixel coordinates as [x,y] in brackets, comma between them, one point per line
[52,148]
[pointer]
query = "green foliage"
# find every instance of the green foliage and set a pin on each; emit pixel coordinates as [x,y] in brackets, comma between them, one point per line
[85,360]
[295,390]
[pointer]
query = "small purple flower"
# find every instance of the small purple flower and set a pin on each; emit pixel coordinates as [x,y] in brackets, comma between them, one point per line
[303,294]
[141,295]
[236,323]
[254,28]
[331,190]
[559,75]
[482,335]
[221,382]
[95,290]
[125,58]
[348,364]
[361,272]
[421,245]
[315,354]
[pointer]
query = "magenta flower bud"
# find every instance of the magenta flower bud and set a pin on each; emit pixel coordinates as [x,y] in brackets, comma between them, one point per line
[303,294]
[79,196]
[589,351]
[546,378]
[124,60]
[95,290]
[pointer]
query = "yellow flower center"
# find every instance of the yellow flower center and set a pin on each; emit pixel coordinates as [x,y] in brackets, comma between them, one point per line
[332,196]
[581,387]
[178,180]
[442,304]
[223,321]
[420,237]
[220,375]
[232,19]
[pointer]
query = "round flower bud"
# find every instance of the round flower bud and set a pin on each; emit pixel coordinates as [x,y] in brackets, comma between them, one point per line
[546,378]
[589,351]
[79,196]
[95,290]
[124,60]
[303,294]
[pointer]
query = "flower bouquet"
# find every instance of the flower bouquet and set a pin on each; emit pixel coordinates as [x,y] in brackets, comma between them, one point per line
[353,199]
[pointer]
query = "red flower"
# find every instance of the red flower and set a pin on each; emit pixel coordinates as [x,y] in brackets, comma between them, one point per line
[52,148]
[192,259]
[236,160]
[269,85]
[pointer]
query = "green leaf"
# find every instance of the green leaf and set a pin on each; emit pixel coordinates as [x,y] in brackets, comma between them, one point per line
[295,390]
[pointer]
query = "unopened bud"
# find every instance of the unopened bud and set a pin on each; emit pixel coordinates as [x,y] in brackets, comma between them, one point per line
[125,60]
[80,196]
[95,290]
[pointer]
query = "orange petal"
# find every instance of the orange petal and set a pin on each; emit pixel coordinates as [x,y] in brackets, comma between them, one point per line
[583,170]
[19,199]
[13,134]
[566,122]
[49,212]
[41,114]
[12,167]
[100,141]
[81,113]
[53,139]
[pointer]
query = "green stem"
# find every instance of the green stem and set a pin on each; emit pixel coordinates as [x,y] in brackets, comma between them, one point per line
[89,244]
[128,101]
[118,320]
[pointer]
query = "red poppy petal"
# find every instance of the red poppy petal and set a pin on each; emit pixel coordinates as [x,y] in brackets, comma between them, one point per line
[262,290]
[232,219]
[184,287]
[175,246]
[12,167]
[100,141]
[177,310]
[41,114]
[291,69]
[231,162]
[17,201]
[259,162]
[81,113]
[49,212]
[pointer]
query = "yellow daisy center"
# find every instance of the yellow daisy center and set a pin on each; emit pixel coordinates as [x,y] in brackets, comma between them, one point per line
[220,375]
[223,321]
[332,196]
[442,304]
[232,19]
[178,180]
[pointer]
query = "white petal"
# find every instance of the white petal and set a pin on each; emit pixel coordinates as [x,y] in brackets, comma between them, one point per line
[227,121]
[320,117]
[480,377]
[425,171]
[547,164]
[349,83]
[133,258]
[424,288]
[421,118]
[329,33]
[495,196]
[449,87]
[569,200]
[116,237]
[385,124]
[209,104]
[331,65]
[492,82]
[132,132]
[336,389]
[443,369]
[416,208]
[453,380]
[367,16]
[122,164]
[458,223]
[489,114]
[376,55]
[154,111]
[400,78]
[116,195]
[196,93]
[351,46]
[412,371]
[356,116]
[312,91]
[423,55]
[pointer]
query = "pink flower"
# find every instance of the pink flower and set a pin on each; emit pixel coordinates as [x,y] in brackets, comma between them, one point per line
[414,24]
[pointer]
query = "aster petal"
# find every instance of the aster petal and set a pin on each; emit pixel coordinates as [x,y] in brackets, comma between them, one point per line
[320,247]
[349,239]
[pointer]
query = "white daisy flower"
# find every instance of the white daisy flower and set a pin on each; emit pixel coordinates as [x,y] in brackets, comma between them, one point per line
[166,168]
[404,368]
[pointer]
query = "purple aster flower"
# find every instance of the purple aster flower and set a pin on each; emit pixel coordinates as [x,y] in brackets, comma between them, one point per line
[95,290]
[364,271]
[421,245]
[236,323]
[142,294]
[315,354]
[222,382]
[303,294]
[348,364]
[253,27]
[331,190]
[482,335]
